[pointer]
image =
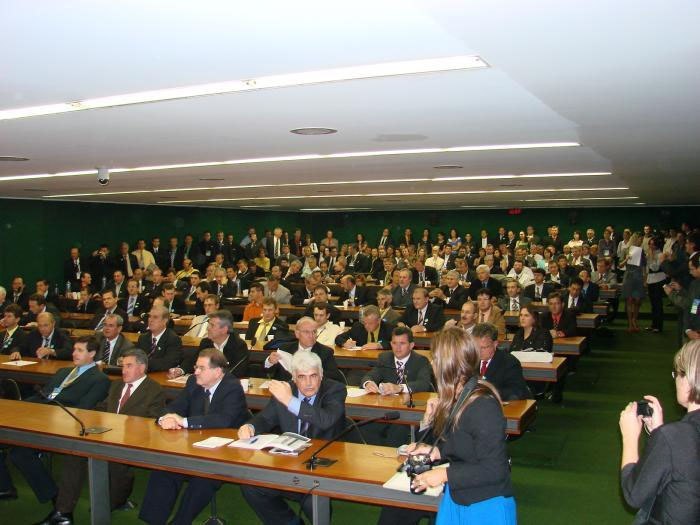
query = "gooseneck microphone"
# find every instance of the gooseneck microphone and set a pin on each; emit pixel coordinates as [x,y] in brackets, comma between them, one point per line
[315,461]
[83,430]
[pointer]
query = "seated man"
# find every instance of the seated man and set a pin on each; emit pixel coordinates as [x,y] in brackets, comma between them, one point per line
[268,325]
[305,332]
[353,295]
[176,304]
[498,367]
[109,306]
[488,312]
[312,406]
[539,290]
[422,315]
[134,304]
[386,312]
[484,280]
[451,294]
[403,293]
[190,293]
[590,291]
[559,322]
[117,284]
[326,331]
[521,273]
[422,274]
[211,399]
[48,341]
[198,325]
[573,300]
[273,289]
[87,304]
[555,276]
[113,344]
[321,296]
[370,334]
[135,394]
[253,309]
[161,344]
[467,318]
[13,339]
[513,300]
[82,385]
[37,304]
[221,285]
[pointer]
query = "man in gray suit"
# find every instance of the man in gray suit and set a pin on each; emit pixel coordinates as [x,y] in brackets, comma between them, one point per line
[273,288]
[113,344]
[402,296]
[514,300]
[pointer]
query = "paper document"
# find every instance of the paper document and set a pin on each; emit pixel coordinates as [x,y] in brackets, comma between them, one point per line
[265,384]
[401,481]
[356,392]
[533,357]
[212,442]
[19,363]
[285,360]
[181,380]
[288,442]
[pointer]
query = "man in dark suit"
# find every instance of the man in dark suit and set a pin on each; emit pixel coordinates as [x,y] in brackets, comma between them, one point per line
[37,304]
[484,280]
[207,249]
[274,244]
[176,304]
[559,322]
[190,293]
[574,301]
[555,276]
[72,268]
[47,341]
[135,394]
[109,306]
[422,315]
[161,344]
[422,273]
[268,325]
[370,334]
[321,297]
[113,344]
[43,288]
[117,284]
[540,289]
[498,367]
[134,304]
[211,399]
[402,295]
[385,239]
[353,294]
[13,340]
[125,260]
[357,261]
[82,385]
[305,332]
[451,294]
[313,406]
[101,266]
[19,293]
[86,304]
[223,336]
[590,291]
[189,250]
[160,253]
[513,300]
[173,256]
[553,239]
[304,296]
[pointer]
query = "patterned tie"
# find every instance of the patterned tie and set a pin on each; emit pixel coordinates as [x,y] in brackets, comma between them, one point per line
[154,346]
[70,378]
[124,398]
[420,316]
[46,342]
[207,401]
[403,292]
[538,292]
[106,351]
[515,305]
[130,308]
[304,425]
[400,372]
[481,317]
[484,366]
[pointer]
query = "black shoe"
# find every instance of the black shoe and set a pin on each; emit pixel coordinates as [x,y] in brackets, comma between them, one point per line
[9,494]
[57,518]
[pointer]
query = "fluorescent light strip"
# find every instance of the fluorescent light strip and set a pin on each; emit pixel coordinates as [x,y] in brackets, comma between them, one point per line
[332,209]
[403,194]
[582,199]
[325,183]
[261,206]
[407,67]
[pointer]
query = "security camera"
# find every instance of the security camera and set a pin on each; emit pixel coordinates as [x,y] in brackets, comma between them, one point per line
[102,176]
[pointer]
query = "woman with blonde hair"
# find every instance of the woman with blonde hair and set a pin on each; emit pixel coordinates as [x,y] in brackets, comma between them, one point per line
[469,433]
[633,282]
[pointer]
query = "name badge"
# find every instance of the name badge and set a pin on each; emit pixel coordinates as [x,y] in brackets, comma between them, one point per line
[208,253]
[694,307]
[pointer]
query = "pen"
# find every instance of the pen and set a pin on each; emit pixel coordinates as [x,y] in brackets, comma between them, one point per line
[253,440]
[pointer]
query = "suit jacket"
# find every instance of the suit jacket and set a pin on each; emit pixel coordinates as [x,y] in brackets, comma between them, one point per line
[89,307]
[376,269]
[563,280]
[278,329]
[235,350]
[359,334]
[567,323]
[282,295]
[391,316]
[22,299]
[148,400]
[433,320]
[402,301]
[326,417]
[86,391]
[227,408]
[387,242]
[335,314]
[557,243]
[419,373]
[207,247]
[495,318]
[60,342]
[330,367]
[225,290]
[492,284]
[120,346]
[506,374]
[100,313]
[583,305]
[69,272]
[361,264]
[120,263]
[101,268]
[592,293]
[141,306]
[173,258]
[363,296]
[168,353]
[456,300]
[504,302]
[300,294]
[193,253]
[547,288]
[16,343]
[30,317]
[431,275]
[111,285]
[271,247]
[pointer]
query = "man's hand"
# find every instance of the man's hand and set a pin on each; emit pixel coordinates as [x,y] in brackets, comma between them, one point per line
[281,390]
[450,323]
[390,388]
[418,329]
[371,346]
[15,356]
[43,352]
[693,334]
[246,432]
[274,358]
[175,372]
[371,387]
[350,343]
[171,422]
[437,293]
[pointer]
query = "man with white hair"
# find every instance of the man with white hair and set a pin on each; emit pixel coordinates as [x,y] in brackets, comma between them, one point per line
[313,406]
[484,280]
[3,299]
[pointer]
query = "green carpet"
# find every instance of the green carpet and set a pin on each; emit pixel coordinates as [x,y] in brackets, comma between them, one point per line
[564,471]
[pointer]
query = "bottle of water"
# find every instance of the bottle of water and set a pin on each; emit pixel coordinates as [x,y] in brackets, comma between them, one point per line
[104,282]
[238,286]
[56,291]
[67,288]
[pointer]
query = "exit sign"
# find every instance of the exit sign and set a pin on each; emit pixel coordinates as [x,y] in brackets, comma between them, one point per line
[515,211]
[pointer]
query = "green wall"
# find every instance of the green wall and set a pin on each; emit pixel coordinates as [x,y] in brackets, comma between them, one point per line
[35,235]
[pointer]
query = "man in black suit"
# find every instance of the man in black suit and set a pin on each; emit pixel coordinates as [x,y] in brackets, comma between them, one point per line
[125,260]
[304,296]
[113,344]
[268,325]
[574,301]
[402,295]
[190,293]
[313,406]
[498,367]
[277,364]
[161,344]
[422,315]
[101,266]
[540,289]
[173,256]
[134,304]
[385,240]
[484,280]
[72,268]
[513,300]
[557,278]
[559,322]
[176,304]
[422,273]
[43,288]
[449,256]
[117,284]
[451,294]
[223,336]
[321,297]
[357,261]
[370,334]
[36,305]
[86,304]
[160,253]
[553,239]
[82,385]
[48,341]
[13,340]
[135,394]
[211,399]
[590,291]
[189,250]
[353,294]
[19,293]
[207,249]
[109,306]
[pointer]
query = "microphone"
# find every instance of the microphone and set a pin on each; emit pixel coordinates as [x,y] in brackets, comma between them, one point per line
[315,461]
[83,431]
[230,370]
[198,324]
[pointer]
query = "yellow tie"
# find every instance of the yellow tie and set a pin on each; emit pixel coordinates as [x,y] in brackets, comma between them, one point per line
[70,378]
[261,332]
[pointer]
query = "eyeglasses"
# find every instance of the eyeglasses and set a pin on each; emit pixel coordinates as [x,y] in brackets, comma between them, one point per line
[675,374]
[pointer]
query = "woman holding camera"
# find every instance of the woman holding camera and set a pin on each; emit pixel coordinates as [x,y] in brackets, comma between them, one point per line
[470,434]
[665,483]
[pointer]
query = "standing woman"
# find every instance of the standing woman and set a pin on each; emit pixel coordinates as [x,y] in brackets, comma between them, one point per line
[468,243]
[469,432]
[308,241]
[664,483]
[656,279]
[633,282]
[425,241]
[361,242]
[455,240]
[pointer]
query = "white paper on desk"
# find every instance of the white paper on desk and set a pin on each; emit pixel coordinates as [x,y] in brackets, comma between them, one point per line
[265,384]
[285,360]
[401,481]
[212,442]
[533,357]
[354,348]
[356,392]
[19,363]
[181,380]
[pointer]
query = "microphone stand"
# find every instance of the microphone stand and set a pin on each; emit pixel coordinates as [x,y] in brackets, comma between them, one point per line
[315,461]
[83,431]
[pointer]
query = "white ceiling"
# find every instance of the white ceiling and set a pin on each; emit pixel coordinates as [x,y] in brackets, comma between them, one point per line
[618,77]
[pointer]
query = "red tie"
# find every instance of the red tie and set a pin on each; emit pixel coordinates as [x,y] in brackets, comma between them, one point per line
[126,397]
[484,366]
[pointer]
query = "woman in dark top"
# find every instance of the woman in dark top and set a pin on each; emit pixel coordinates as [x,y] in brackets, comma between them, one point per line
[531,337]
[425,241]
[469,429]
[665,483]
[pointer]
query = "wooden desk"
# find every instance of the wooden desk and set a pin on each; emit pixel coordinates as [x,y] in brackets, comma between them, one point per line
[582,320]
[610,293]
[358,474]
